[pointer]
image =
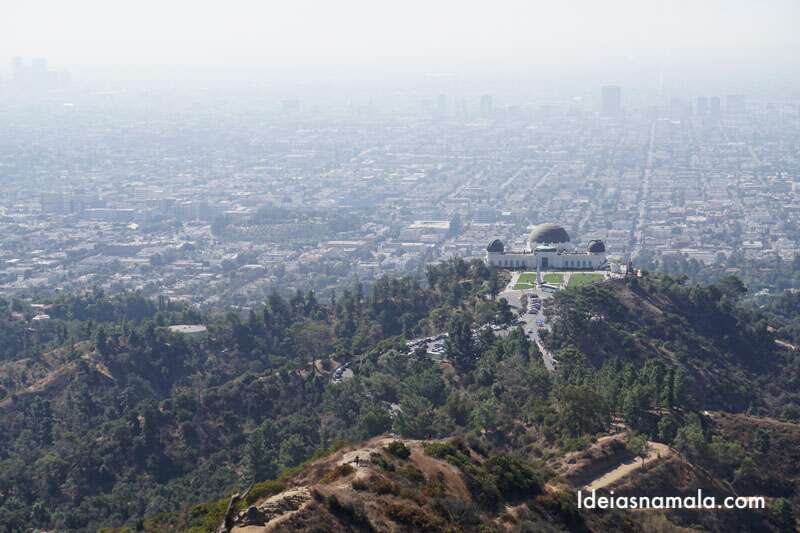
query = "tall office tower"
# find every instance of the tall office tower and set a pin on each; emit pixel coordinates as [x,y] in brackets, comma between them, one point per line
[702,105]
[486,106]
[441,105]
[39,71]
[735,104]
[18,70]
[461,109]
[52,203]
[715,106]
[611,101]
[38,65]
[679,108]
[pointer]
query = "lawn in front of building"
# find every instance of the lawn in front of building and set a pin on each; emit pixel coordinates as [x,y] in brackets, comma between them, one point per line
[527,280]
[579,279]
[553,278]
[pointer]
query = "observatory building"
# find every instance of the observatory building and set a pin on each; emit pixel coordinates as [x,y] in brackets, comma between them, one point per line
[548,248]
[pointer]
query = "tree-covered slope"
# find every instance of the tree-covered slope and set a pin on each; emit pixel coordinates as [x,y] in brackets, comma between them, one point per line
[722,353]
[110,418]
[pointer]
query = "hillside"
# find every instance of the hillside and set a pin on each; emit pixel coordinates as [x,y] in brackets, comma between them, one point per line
[109,420]
[403,485]
[459,485]
[725,355]
[744,456]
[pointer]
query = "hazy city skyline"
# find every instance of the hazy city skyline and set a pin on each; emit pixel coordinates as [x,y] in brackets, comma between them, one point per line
[353,39]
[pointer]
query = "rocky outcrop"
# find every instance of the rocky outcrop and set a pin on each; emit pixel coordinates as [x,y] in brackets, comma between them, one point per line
[273,509]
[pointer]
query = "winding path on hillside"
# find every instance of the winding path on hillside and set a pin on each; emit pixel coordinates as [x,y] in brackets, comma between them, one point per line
[657,452]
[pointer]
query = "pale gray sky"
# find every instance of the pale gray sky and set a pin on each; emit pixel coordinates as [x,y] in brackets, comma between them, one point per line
[427,34]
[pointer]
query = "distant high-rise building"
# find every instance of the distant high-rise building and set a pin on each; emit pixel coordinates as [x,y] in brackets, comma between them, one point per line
[38,65]
[441,105]
[485,215]
[715,106]
[486,106]
[702,105]
[679,108]
[52,203]
[18,73]
[611,101]
[735,104]
[461,109]
[37,75]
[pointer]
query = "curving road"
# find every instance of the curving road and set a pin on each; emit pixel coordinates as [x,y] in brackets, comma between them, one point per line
[530,319]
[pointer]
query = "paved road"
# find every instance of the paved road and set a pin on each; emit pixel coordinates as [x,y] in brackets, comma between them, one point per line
[530,326]
[641,220]
[434,345]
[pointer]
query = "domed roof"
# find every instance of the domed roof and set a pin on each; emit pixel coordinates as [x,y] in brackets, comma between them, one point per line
[495,246]
[548,233]
[597,246]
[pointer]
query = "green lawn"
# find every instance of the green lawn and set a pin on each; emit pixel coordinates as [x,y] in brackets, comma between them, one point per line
[553,278]
[579,279]
[527,280]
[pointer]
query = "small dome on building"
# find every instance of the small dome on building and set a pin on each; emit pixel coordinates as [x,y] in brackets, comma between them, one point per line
[495,246]
[596,247]
[548,233]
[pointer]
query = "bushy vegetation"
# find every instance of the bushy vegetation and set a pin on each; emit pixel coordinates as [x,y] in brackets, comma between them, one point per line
[501,476]
[140,421]
[137,422]
[660,344]
[398,449]
[337,472]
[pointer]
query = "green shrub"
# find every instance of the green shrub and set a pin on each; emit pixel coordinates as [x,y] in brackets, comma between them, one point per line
[398,449]
[446,451]
[480,483]
[380,460]
[513,477]
[414,517]
[435,488]
[381,485]
[412,474]
[348,511]
[265,489]
[206,516]
[339,471]
[563,506]
[359,484]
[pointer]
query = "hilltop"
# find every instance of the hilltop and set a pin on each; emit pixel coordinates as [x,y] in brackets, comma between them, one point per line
[390,484]
[393,484]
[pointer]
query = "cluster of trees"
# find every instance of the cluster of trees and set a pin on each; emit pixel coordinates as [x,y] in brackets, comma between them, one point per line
[783,311]
[143,421]
[691,327]
[140,421]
